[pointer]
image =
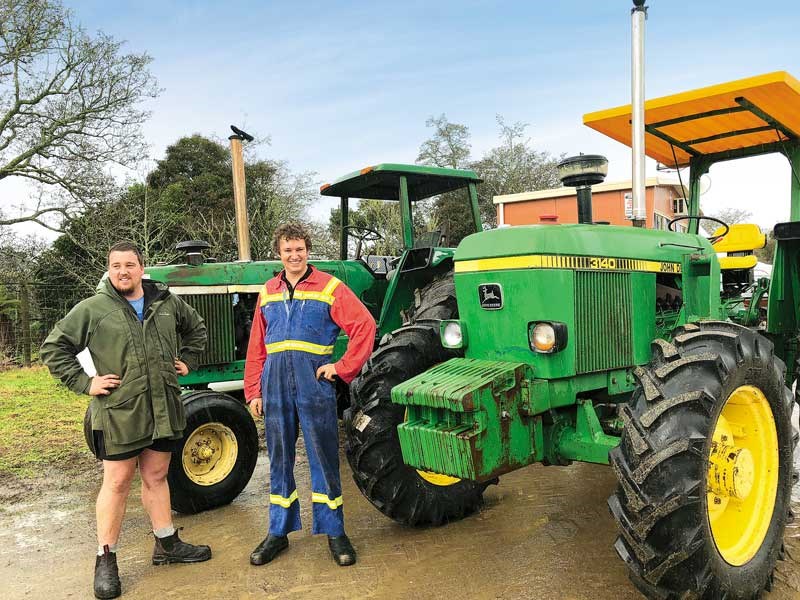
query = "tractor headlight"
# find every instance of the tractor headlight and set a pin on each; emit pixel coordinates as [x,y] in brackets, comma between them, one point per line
[547,337]
[452,334]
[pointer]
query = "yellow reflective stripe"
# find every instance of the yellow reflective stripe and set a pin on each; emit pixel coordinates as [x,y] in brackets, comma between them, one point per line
[321,296]
[333,504]
[328,290]
[271,298]
[264,295]
[298,345]
[543,261]
[326,295]
[283,501]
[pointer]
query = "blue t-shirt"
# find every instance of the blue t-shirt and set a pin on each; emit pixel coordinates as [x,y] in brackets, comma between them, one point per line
[138,306]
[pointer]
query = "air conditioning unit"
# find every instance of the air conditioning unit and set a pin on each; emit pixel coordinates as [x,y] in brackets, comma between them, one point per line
[679,206]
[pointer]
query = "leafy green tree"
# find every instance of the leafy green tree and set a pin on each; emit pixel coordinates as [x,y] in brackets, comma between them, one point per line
[382,217]
[767,253]
[449,147]
[188,195]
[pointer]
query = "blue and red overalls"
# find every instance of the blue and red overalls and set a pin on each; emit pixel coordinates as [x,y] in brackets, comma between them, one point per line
[292,336]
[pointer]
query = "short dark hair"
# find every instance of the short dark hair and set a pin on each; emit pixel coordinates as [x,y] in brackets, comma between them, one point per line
[290,231]
[125,246]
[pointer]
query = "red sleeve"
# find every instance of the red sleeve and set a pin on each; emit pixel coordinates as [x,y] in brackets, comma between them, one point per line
[353,317]
[256,355]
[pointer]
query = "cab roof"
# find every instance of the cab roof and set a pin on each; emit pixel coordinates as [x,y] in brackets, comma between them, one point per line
[382,182]
[734,116]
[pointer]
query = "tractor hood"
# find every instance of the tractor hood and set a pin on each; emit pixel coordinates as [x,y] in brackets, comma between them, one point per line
[580,241]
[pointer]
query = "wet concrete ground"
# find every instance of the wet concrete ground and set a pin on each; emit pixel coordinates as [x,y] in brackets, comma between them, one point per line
[545,532]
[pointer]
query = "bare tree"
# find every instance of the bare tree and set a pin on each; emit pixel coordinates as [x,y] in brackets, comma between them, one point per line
[726,215]
[70,107]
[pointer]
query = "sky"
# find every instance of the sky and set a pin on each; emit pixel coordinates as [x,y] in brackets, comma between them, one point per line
[336,86]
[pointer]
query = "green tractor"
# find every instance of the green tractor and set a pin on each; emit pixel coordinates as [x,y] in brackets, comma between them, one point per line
[220,447]
[612,345]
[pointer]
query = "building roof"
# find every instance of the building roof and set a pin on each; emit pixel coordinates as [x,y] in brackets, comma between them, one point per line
[728,117]
[570,191]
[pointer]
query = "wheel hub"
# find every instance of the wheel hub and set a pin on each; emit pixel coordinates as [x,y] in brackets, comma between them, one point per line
[209,454]
[731,471]
[204,451]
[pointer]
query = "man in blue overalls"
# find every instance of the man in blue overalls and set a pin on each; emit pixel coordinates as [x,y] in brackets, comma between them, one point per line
[290,380]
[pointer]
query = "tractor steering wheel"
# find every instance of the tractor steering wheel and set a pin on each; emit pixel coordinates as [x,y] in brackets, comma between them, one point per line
[712,239]
[367,235]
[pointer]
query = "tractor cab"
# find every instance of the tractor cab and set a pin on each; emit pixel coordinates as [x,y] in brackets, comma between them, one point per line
[424,255]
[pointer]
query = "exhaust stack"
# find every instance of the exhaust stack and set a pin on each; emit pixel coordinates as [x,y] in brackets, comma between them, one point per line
[582,172]
[239,193]
[638,16]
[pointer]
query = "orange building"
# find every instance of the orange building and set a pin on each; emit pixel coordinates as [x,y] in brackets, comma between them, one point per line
[664,201]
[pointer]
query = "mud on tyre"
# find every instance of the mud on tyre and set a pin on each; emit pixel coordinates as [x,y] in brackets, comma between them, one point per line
[705,466]
[373,449]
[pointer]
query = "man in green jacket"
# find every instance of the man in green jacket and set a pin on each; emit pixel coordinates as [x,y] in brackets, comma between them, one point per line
[140,337]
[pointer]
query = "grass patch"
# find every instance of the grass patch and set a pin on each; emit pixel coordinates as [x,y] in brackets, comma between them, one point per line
[41,424]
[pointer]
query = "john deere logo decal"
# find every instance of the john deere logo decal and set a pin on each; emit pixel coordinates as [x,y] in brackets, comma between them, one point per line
[490,296]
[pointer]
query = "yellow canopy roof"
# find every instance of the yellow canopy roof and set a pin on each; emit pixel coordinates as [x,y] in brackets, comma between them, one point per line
[729,116]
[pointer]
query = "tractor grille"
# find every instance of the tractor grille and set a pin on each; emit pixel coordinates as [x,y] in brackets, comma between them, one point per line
[603,316]
[217,312]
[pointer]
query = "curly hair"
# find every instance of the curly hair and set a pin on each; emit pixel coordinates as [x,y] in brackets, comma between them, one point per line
[290,231]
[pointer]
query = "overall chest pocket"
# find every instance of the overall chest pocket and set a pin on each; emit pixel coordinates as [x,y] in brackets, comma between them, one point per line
[314,321]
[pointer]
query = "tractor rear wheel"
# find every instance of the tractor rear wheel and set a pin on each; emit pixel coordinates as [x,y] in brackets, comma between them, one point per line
[705,466]
[401,492]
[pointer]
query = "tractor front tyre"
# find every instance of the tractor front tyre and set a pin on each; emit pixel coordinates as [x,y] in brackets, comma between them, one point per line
[705,466]
[408,496]
[218,453]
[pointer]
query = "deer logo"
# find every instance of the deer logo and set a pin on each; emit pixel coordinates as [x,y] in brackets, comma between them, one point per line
[490,296]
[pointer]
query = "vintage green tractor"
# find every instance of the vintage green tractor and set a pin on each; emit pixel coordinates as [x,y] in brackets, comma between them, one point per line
[220,447]
[612,345]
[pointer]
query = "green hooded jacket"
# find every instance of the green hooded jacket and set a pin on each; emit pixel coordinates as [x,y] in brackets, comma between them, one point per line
[147,404]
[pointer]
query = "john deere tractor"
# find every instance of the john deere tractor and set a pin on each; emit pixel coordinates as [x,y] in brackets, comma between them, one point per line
[612,345]
[220,447]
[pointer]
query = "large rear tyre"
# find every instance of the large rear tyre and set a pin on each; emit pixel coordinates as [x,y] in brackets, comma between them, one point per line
[705,466]
[218,453]
[401,492]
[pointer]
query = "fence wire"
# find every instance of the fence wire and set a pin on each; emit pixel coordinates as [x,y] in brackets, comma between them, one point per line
[28,312]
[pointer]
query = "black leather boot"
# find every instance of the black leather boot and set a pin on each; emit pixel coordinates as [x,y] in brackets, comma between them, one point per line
[172,550]
[269,549]
[106,576]
[342,550]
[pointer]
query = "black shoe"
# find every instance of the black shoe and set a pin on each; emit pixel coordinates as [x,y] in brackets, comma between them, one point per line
[269,549]
[172,550]
[342,550]
[106,576]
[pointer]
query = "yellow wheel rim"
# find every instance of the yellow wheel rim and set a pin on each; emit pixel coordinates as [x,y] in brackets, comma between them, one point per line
[209,454]
[438,478]
[742,478]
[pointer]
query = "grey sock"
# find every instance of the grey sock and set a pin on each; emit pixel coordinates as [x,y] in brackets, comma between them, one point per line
[111,548]
[163,532]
